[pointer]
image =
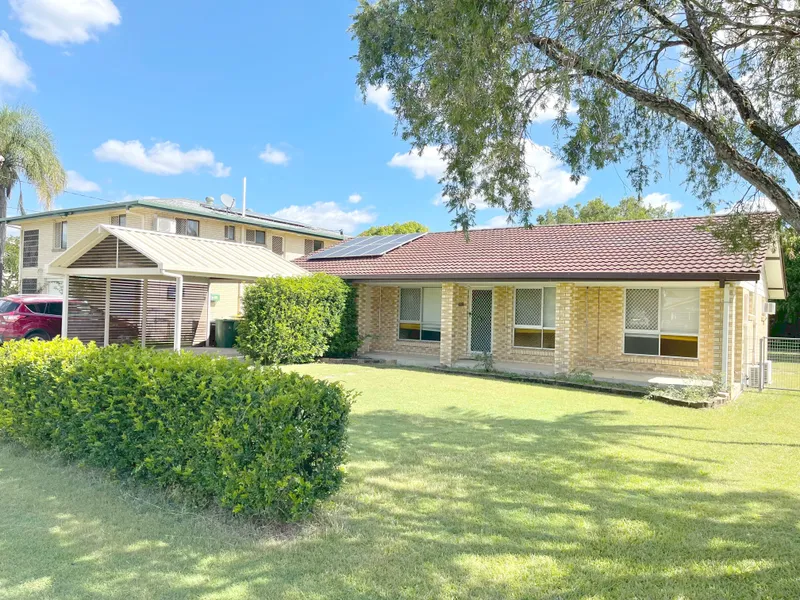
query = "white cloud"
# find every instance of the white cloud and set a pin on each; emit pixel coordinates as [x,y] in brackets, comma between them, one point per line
[220,170]
[495,222]
[328,215]
[549,183]
[656,199]
[78,183]
[65,21]
[550,108]
[381,97]
[273,156]
[14,72]
[164,158]
[427,164]
[354,198]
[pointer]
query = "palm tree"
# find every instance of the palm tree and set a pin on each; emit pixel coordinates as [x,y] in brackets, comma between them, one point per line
[27,152]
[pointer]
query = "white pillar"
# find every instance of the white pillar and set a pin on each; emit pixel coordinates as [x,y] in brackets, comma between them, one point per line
[144,313]
[208,314]
[65,309]
[178,312]
[107,316]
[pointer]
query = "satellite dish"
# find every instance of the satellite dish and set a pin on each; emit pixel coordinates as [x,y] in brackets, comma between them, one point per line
[228,201]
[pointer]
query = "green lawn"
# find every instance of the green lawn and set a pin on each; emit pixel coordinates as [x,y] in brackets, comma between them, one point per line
[457,488]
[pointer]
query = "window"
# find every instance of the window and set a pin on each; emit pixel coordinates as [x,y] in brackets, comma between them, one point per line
[60,235]
[7,306]
[230,233]
[662,322]
[314,245]
[54,309]
[277,244]
[37,308]
[30,248]
[29,286]
[535,317]
[420,314]
[188,227]
[121,220]
[256,237]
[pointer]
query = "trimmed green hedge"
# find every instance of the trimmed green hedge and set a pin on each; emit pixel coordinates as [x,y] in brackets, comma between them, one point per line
[253,439]
[298,319]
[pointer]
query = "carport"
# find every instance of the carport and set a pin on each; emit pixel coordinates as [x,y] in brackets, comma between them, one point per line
[124,284]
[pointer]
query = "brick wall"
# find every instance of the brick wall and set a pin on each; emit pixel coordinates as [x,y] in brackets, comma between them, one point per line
[503,341]
[589,330]
[383,304]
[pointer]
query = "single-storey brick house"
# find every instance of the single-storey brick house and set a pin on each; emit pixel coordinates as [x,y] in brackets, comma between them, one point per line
[632,300]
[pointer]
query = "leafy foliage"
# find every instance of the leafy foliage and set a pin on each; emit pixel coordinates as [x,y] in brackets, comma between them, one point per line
[396,228]
[787,316]
[598,210]
[29,154]
[709,80]
[346,341]
[10,265]
[294,319]
[253,439]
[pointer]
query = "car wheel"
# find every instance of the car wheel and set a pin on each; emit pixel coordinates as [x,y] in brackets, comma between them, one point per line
[38,335]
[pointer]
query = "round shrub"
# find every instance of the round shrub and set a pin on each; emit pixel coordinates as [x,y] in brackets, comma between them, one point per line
[250,438]
[294,319]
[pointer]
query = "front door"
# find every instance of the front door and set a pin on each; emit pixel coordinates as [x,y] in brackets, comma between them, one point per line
[480,322]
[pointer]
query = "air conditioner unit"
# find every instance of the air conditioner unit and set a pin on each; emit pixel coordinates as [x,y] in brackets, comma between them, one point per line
[769,308]
[754,376]
[767,372]
[164,225]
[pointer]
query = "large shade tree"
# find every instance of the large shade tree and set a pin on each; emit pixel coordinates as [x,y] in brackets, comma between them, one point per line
[597,209]
[712,84]
[27,153]
[396,228]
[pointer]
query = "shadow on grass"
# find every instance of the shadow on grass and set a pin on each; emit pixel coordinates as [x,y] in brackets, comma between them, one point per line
[464,506]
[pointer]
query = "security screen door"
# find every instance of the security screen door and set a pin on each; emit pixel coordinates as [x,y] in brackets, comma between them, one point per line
[480,328]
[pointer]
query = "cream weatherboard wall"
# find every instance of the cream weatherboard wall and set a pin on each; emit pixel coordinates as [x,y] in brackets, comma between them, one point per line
[78,225]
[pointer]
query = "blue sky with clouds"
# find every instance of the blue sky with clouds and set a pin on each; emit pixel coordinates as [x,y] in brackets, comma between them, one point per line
[183,98]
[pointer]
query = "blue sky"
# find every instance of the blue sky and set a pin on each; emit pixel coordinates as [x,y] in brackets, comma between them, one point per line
[183,98]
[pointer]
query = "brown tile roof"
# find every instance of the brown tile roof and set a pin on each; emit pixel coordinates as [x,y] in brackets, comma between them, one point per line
[659,249]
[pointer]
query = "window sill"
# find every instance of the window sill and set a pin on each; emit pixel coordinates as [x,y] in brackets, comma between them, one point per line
[687,358]
[532,348]
[420,341]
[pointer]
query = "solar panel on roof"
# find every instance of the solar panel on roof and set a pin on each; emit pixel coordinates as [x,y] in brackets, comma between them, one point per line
[373,245]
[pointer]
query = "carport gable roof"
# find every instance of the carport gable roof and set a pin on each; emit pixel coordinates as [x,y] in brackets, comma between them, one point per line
[138,252]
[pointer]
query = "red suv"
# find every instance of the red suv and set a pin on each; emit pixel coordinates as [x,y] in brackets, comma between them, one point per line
[32,317]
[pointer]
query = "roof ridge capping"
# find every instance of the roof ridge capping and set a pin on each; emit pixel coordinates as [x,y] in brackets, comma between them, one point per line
[595,223]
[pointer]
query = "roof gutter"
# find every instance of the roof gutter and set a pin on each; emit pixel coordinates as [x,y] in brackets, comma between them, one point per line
[233,218]
[606,276]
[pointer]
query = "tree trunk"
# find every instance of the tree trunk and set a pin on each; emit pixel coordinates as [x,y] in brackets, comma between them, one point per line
[3,228]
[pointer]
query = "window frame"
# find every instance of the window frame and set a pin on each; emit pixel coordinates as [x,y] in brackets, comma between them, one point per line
[421,322]
[272,240]
[659,332]
[31,260]
[232,230]
[60,236]
[541,327]
[120,220]
[27,280]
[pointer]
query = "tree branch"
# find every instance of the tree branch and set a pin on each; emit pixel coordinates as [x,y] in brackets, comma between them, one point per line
[563,57]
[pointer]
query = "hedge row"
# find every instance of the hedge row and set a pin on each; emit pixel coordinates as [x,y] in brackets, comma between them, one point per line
[253,439]
[298,319]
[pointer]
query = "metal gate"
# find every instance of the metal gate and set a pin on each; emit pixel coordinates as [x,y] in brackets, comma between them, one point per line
[780,364]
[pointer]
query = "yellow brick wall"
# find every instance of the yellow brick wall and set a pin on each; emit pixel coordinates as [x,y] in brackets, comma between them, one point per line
[503,341]
[597,334]
[383,321]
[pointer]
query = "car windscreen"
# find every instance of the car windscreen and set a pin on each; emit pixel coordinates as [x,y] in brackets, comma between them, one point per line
[7,306]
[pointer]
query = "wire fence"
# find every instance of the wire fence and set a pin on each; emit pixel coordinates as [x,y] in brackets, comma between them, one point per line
[781,365]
